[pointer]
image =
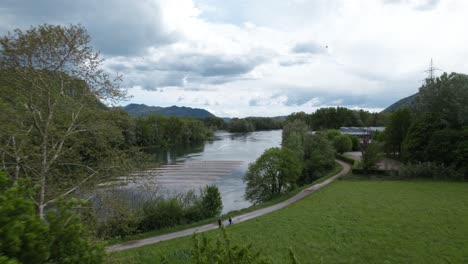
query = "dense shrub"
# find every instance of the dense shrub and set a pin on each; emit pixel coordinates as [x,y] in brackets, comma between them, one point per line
[429,170]
[342,144]
[26,238]
[185,208]
[371,154]
[23,235]
[70,241]
[119,225]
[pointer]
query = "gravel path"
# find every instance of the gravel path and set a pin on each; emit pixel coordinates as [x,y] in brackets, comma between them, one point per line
[236,220]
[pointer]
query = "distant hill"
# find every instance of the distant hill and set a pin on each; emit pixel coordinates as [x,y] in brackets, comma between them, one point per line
[144,110]
[406,102]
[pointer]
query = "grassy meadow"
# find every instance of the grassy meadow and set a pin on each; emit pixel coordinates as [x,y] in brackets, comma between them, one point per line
[349,221]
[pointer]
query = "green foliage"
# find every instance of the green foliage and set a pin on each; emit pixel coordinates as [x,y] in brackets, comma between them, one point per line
[344,158]
[418,137]
[334,118]
[214,123]
[343,143]
[160,131]
[355,142]
[371,154]
[70,241]
[293,137]
[158,213]
[272,174]
[447,96]
[429,170]
[319,157]
[24,236]
[442,146]
[52,85]
[331,134]
[240,126]
[396,130]
[223,251]
[211,201]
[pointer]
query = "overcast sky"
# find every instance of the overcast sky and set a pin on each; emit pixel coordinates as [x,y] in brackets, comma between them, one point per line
[263,57]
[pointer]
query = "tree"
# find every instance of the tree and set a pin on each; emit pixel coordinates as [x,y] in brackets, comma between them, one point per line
[212,204]
[447,96]
[415,144]
[293,137]
[342,143]
[23,234]
[371,154]
[396,129]
[319,156]
[274,173]
[51,83]
[26,238]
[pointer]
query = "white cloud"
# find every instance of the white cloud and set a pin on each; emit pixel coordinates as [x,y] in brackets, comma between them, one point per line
[267,57]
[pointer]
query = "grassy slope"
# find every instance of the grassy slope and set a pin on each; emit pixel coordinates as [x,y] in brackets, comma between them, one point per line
[351,222]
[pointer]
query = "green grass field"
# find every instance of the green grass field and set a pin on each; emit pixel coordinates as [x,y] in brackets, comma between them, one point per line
[350,221]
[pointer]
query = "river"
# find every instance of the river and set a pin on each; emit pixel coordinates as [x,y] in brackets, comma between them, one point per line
[222,161]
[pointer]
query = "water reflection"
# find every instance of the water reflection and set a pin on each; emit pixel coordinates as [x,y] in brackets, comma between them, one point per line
[222,161]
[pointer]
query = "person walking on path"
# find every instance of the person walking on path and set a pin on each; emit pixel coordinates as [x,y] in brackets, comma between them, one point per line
[219,222]
[230,221]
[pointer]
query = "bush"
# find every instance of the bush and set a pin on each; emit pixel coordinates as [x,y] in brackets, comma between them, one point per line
[342,144]
[185,208]
[70,241]
[211,201]
[26,238]
[429,170]
[371,154]
[344,158]
[160,213]
[119,225]
[23,235]
[222,251]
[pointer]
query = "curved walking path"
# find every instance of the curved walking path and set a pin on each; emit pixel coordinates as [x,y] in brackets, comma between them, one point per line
[236,219]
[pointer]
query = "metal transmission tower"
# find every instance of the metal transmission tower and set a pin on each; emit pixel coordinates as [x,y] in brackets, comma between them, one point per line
[431,71]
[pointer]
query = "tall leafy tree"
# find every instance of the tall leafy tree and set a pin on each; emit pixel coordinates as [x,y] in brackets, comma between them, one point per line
[293,136]
[447,96]
[396,129]
[274,173]
[319,156]
[51,82]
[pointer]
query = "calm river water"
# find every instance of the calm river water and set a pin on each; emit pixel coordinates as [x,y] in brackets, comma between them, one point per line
[222,162]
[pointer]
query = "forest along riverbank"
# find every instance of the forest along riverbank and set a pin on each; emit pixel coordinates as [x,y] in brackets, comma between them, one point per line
[222,162]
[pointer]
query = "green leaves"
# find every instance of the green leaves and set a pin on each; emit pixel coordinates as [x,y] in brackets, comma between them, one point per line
[274,173]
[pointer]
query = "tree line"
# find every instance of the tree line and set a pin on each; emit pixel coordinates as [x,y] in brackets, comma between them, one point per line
[432,133]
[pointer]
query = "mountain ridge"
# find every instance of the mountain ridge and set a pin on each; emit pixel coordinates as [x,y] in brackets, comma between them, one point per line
[178,111]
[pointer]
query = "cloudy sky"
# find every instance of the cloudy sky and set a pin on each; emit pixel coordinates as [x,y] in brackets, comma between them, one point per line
[263,57]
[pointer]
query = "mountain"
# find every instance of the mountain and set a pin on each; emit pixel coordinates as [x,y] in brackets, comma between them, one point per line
[144,110]
[406,102]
